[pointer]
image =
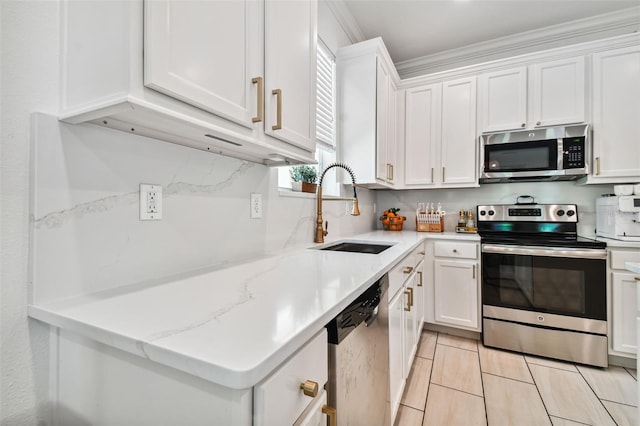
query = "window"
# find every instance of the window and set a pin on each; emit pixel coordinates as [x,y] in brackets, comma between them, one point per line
[325,121]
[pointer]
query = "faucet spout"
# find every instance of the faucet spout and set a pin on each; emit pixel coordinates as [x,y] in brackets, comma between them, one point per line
[355,211]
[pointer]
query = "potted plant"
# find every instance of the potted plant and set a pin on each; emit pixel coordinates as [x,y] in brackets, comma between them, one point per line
[303,178]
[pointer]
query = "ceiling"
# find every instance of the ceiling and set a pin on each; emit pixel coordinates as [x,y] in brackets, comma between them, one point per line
[417,28]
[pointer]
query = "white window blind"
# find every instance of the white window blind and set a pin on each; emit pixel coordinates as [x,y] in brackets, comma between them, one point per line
[325,108]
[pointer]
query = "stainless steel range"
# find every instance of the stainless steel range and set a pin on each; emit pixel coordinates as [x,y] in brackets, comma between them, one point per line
[543,287]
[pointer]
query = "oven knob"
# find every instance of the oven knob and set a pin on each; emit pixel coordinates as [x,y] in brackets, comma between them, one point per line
[482,212]
[540,318]
[491,212]
[560,212]
[571,213]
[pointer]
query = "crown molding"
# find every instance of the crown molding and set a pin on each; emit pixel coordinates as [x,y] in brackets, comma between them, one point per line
[346,20]
[605,25]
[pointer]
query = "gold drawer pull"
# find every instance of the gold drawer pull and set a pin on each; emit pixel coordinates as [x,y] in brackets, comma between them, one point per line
[309,388]
[474,272]
[332,413]
[597,166]
[407,270]
[420,275]
[408,307]
[410,295]
[260,109]
[278,93]
[636,278]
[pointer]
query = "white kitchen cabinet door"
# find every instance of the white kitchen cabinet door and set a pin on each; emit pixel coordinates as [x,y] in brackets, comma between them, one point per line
[396,349]
[384,169]
[616,112]
[456,293]
[419,300]
[558,93]
[410,323]
[422,134]
[459,131]
[624,309]
[290,71]
[206,54]
[503,100]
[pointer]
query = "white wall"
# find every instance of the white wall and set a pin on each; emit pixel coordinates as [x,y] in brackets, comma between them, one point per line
[86,233]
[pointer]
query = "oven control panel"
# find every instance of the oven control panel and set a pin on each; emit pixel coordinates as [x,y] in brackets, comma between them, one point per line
[528,213]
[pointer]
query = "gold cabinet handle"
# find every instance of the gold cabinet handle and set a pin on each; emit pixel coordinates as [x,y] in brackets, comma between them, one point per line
[408,307]
[523,125]
[391,166]
[538,123]
[421,253]
[474,272]
[597,166]
[331,413]
[407,270]
[420,275]
[278,93]
[636,278]
[410,295]
[309,388]
[432,175]
[260,110]
[443,174]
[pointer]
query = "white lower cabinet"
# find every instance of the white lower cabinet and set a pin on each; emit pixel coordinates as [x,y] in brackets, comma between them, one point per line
[405,322]
[454,291]
[279,399]
[396,349]
[101,385]
[623,303]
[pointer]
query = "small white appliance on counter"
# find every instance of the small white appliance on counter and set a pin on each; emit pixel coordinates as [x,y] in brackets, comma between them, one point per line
[618,217]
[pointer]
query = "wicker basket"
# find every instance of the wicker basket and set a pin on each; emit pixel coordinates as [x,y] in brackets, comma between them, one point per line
[395,223]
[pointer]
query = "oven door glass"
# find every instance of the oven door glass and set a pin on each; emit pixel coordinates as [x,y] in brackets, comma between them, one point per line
[557,285]
[521,156]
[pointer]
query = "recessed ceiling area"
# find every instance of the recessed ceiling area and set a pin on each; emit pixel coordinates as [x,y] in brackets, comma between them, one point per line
[416,28]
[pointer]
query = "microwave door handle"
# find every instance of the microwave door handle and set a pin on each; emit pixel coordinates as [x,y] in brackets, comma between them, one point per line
[545,251]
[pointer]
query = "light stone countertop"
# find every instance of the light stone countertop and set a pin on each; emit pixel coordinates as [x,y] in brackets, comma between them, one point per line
[633,267]
[233,325]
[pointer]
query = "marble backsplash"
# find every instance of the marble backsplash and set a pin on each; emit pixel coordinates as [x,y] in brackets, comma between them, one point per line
[454,200]
[86,235]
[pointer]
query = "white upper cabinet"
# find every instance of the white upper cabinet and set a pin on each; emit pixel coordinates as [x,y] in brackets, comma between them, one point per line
[231,77]
[290,71]
[440,135]
[366,106]
[557,94]
[459,132]
[384,164]
[183,60]
[541,95]
[616,114]
[503,100]
[422,129]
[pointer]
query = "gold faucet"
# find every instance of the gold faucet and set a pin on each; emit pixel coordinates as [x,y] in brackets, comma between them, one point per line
[355,211]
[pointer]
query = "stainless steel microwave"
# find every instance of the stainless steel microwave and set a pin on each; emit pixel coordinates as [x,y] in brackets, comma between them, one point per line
[553,153]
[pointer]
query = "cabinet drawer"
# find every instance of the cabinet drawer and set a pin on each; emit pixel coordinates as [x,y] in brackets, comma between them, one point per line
[399,274]
[279,399]
[619,257]
[456,249]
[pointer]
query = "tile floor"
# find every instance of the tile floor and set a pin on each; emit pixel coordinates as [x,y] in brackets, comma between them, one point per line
[457,381]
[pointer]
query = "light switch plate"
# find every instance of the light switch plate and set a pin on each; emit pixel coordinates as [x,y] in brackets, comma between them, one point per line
[150,202]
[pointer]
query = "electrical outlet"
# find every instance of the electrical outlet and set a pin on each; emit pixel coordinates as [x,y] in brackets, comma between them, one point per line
[150,202]
[256,206]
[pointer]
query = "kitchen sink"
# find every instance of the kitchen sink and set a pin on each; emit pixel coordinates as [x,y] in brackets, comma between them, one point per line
[355,247]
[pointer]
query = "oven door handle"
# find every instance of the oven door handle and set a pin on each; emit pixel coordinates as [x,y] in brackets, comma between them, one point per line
[545,251]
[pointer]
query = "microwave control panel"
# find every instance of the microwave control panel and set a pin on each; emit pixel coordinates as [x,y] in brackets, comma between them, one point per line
[573,154]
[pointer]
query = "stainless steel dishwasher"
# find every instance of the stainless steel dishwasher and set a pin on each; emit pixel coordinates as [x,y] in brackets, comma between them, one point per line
[358,385]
